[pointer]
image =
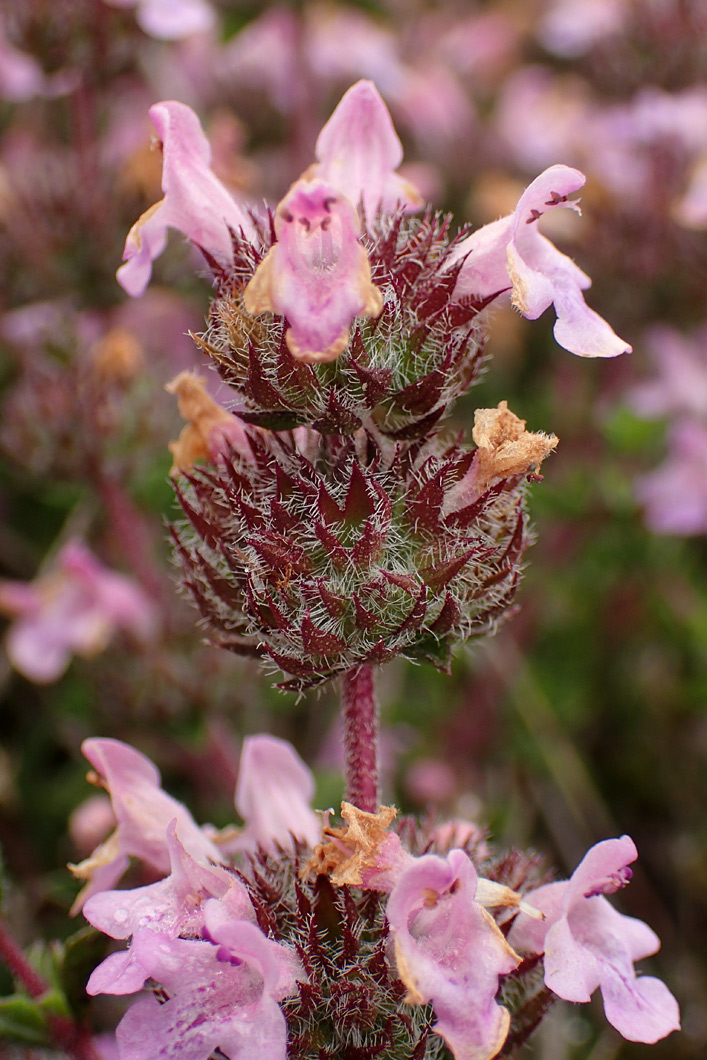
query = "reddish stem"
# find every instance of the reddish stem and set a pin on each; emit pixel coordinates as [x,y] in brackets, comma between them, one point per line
[360,712]
[68,1035]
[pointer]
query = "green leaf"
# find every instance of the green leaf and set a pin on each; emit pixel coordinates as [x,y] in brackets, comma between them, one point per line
[21,1021]
[83,951]
[53,1003]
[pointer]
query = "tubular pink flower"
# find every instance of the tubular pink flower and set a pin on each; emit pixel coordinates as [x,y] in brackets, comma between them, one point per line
[450,951]
[173,906]
[358,151]
[317,274]
[274,795]
[143,812]
[195,201]
[511,254]
[587,944]
[222,995]
[74,608]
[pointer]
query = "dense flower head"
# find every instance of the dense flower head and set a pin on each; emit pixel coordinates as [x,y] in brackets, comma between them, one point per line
[403,366]
[324,552]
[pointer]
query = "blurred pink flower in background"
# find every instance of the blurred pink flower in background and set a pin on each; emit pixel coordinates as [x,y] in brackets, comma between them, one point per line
[691,209]
[170,19]
[73,608]
[679,380]
[674,495]
[90,823]
[569,28]
[22,78]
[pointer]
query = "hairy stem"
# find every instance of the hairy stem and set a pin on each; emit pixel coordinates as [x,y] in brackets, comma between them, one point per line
[70,1036]
[360,712]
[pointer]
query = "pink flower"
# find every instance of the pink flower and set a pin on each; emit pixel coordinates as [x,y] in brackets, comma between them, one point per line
[143,812]
[170,19]
[195,202]
[358,151]
[223,994]
[674,495]
[511,254]
[274,795]
[679,382]
[73,608]
[571,27]
[22,78]
[450,951]
[317,274]
[172,907]
[587,944]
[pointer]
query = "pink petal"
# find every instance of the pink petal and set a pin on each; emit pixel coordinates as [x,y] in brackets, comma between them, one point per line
[279,966]
[358,152]
[571,971]
[120,973]
[485,270]
[196,203]
[528,934]
[602,869]
[582,331]
[547,192]
[143,812]
[317,274]
[274,794]
[641,1010]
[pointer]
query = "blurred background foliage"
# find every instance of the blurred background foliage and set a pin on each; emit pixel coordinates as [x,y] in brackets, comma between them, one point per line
[585,716]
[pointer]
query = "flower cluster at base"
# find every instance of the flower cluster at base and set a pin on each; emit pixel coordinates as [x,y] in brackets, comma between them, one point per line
[292,938]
